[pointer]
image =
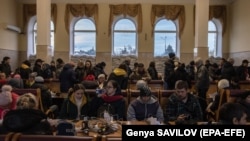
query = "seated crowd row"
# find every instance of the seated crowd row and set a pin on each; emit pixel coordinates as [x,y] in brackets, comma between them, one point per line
[182,107]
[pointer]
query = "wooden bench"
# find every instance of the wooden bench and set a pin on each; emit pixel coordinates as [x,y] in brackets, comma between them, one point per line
[244,85]
[153,84]
[108,138]
[53,85]
[164,95]
[21,137]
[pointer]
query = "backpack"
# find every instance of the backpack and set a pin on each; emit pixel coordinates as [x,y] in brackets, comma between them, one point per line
[65,128]
[105,107]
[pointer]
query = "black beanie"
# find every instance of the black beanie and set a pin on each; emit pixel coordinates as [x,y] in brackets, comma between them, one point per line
[145,91]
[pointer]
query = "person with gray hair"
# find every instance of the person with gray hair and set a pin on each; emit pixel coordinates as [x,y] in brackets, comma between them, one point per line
[202,83]
[213,106]
[140,83]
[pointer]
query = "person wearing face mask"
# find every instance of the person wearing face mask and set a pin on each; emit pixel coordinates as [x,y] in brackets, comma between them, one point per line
[183,106]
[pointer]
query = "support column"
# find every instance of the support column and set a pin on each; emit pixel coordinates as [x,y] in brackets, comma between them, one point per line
[43,48]
[201,29]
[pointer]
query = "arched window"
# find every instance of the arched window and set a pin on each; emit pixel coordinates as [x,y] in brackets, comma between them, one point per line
[212,38]
[215,38]
[124,38]
[84,37]
[52,33]
[165,37]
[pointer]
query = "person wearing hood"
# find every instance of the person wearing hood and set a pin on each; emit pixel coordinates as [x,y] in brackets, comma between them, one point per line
[182,106]
[145,106]
[76,105]
[67,77]
[27,118]
[120,75]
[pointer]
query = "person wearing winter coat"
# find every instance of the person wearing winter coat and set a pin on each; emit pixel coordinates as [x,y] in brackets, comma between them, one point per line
[27,118]
[8,100]
[67,78]
[145,106]
[119,74]
[76,105]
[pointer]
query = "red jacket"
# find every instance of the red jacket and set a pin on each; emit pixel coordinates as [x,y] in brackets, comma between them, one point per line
[12,106]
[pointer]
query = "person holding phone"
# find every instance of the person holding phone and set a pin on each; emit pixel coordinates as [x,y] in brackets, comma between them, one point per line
[76,104]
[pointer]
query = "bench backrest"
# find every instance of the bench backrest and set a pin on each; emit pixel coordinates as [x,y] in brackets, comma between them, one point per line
[36,92]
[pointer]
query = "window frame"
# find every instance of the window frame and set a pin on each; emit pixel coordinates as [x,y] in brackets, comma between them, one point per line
[116,20]
[175,22]
[218,45]
[31,47]
[34,31]
[72,35]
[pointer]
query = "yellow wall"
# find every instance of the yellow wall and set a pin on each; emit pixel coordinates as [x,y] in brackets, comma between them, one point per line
[240,26]
[104,41]
[239,39]
[235,41]
[8,39]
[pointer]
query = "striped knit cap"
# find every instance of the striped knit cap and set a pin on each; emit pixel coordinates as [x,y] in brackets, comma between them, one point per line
[145,91]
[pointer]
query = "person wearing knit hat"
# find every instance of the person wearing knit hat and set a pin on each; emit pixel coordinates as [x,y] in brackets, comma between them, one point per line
[145,92]
[145,106]
[7,100]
